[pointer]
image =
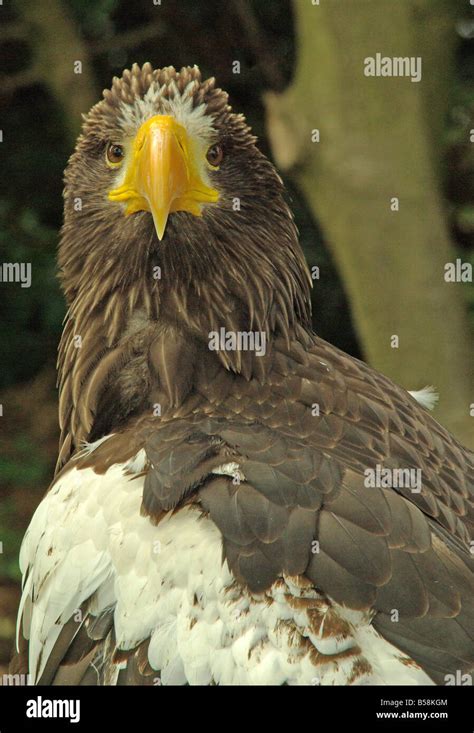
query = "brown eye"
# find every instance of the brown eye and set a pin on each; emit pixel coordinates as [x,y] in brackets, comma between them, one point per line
[214,155]
[114,154]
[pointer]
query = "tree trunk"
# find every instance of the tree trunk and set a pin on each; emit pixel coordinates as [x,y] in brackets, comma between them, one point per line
[380,137]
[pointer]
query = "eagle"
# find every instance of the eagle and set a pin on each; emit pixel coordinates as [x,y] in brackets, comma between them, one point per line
[236,501]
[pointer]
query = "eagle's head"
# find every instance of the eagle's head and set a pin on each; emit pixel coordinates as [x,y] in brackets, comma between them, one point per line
[167,186]
[175,228]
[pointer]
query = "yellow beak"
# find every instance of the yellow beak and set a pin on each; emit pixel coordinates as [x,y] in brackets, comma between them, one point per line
[161,174]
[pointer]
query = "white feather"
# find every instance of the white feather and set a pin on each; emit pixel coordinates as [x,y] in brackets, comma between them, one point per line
[196,121]
[88,540]
[427,397]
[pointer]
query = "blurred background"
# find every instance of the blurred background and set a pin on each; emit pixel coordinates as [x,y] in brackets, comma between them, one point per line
[379,173]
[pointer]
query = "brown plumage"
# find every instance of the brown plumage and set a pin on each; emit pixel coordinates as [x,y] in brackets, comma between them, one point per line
[142,370]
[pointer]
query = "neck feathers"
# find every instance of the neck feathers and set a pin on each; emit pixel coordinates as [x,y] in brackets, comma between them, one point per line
[143,341]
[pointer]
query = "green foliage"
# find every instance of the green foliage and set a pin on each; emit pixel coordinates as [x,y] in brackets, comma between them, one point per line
[10,537]
[31,317]
[33,155]
[29,469]
[93,15]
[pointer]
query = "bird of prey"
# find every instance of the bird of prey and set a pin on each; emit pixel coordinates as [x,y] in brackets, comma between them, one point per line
[237,502]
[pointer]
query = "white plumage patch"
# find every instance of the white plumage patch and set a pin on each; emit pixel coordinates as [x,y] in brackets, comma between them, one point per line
[427,397]
[195,120]
[169,583]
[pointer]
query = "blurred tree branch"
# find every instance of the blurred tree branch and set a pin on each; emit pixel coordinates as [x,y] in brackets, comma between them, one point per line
[58,43]
[56,47]
[128,39]
[11,82]
[14,32]
[34,75]
[381,138]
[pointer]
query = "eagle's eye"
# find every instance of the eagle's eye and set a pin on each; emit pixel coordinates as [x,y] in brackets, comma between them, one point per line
[114,155]
[214,155]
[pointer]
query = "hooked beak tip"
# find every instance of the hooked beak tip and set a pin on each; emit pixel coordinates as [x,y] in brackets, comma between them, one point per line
[160,220]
